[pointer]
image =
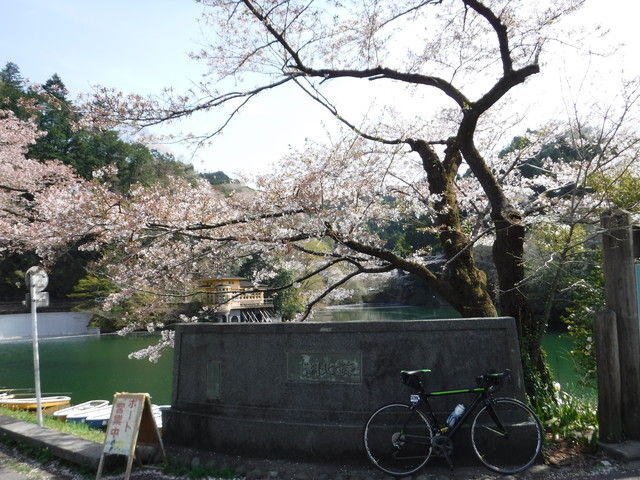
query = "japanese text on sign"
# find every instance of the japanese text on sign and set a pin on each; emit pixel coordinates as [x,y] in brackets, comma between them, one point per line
[125,414]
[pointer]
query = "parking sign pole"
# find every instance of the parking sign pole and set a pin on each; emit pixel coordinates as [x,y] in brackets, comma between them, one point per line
[36,353]
[37,280]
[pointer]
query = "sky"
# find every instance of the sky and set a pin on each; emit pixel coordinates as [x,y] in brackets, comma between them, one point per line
[142,46]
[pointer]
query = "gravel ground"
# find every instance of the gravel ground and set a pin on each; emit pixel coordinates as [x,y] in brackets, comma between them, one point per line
[574,466]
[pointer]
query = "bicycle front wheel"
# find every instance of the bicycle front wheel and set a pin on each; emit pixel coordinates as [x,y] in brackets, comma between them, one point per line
[506,435]
[397,439]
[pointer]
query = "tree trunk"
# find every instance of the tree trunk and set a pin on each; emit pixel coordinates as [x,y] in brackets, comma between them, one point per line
[469,293]
[508,252]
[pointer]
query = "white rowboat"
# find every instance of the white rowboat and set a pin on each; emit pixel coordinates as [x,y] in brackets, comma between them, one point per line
[99,417]
[81,416]
[79,409]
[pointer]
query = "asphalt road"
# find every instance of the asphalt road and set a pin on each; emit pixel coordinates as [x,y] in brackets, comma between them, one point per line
[14,466]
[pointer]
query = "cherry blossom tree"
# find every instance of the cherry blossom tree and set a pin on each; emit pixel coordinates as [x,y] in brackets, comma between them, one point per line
[434,159]
[472,53]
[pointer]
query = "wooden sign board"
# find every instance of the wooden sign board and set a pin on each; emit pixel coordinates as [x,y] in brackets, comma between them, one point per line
[131,422]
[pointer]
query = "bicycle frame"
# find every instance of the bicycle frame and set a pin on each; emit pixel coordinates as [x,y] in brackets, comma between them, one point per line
[395,433]
[483,397]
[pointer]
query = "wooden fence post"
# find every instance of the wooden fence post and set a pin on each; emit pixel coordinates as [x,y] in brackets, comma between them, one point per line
[605,333]
[620,288]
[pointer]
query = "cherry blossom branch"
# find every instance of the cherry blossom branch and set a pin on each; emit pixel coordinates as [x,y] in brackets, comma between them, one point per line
[322,100]
[147,114]
[227,223]
[408,11]
[339,283]
[372,74]
[396,261]
[500,29]
[327,254]
[390,74]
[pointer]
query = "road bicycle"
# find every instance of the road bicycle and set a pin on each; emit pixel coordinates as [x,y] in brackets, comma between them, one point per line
[505,433]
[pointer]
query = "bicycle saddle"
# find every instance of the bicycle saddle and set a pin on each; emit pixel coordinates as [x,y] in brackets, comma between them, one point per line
[491,379]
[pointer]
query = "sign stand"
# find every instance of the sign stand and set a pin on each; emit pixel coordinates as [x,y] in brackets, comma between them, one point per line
[131,421]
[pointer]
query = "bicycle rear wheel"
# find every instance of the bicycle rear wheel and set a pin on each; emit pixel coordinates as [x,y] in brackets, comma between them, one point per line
[506,436]
[397,439]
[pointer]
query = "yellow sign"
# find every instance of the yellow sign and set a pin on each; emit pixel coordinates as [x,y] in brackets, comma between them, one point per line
[131,421]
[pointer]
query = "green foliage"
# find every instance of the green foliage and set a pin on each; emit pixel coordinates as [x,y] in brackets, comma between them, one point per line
[561,149]
[588,298]
[84,150]
[570,418]
[620,189]
[407,236]
[556,256]
[216,178]
[288,302]
[10,76]
[251,266]
[91,290]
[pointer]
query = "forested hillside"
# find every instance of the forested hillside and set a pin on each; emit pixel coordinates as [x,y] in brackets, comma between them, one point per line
[65,137]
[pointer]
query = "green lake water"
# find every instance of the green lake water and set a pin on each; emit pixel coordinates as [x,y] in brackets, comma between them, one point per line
[97,367]
[88,368]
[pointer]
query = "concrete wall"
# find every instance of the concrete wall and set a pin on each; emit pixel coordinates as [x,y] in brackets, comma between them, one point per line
[305,390]
[55,324]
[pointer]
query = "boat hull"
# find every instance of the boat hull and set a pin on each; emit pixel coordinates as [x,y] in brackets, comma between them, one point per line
[49,404]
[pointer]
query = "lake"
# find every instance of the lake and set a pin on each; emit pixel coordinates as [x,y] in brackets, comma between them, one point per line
[97,367]
[88,368]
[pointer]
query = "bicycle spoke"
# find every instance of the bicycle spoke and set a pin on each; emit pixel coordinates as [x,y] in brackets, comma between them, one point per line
[397,439]
[506,436]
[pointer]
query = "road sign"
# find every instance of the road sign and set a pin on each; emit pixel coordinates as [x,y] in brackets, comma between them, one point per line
[42,299]
[36,278]
[131,422]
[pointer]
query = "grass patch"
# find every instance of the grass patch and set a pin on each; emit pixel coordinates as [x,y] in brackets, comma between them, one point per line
[78,429]
[39,454]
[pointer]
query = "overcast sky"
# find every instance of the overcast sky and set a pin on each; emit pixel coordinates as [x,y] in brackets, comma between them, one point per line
[142,45]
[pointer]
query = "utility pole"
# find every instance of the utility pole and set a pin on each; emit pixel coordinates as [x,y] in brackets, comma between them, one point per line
[37,280]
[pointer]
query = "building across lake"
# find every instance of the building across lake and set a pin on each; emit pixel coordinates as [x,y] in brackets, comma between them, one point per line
[234,299]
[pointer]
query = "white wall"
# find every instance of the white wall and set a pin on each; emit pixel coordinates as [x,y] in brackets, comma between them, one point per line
[55,324]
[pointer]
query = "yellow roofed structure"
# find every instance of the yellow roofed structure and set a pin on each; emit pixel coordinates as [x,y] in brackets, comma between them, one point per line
[235,299]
